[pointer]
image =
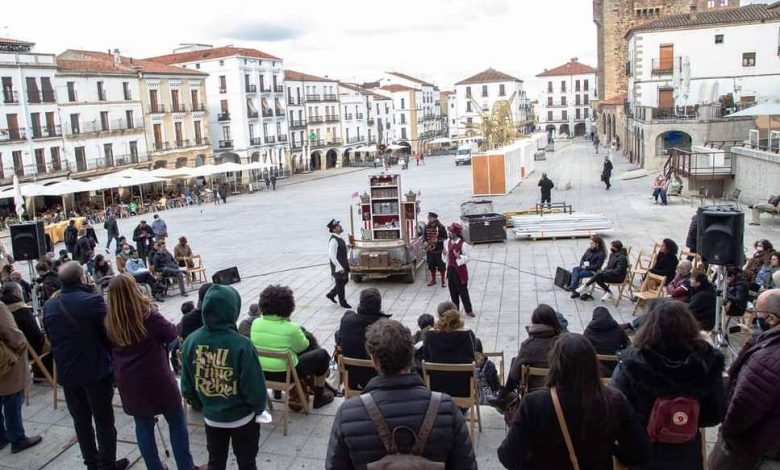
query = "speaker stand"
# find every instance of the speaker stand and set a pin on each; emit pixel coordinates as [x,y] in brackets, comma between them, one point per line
[719,334]
[36,303]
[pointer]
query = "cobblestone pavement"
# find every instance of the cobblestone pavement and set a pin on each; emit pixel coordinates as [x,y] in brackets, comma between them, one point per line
[280,237]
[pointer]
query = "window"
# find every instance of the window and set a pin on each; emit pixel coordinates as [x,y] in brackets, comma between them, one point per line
[403,103]
[195,100]
[549,87]
[468,106]
[223,83]
[749,59]
[403,133]
[175,101]
[563,101]
[501,90]
[563,86]
[585,99]
[153,102]
[666,98]
[549,115]
[577,113]
[469,120]
[56,164]
[40,160]
[129,119]
[126,91]
[104,120]
[403,118]
[133,151]
[576,85]
[484,91]
[74,124]
[108,153]
[35,122]
[468,92]
[549,101]
[32,90]
[585,113]
[158,139]
[81,158]
[71,92]
[18,162]
[564,115]
[178,134]
[101,91]
[718,39]
[577,100]
[585,85]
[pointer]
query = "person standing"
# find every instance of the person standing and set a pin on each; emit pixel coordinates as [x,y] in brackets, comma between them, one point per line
[434,237]
[159,227]
[74,321]
[139,337]
[456,252]
[545,186]
[273,181]
[112,228]
[339,266]
[606,172]
[222,376]
[143,236]
[84,247]
[12,385]
[71,236]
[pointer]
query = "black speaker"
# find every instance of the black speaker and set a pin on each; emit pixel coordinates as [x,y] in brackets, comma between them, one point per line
[226,276]
[28,241]
[720,234]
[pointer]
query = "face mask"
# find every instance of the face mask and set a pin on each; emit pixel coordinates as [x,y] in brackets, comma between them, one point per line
[613,250]
[762,324]
[759,249]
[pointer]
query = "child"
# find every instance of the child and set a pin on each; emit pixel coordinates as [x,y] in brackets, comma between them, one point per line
[487,376]
[425,323]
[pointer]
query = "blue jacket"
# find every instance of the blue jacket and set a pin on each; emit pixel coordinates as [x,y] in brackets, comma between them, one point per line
[79,344]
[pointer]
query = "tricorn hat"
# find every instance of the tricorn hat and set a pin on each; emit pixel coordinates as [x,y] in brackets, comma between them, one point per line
[332,223]
[433,214]
[455,228]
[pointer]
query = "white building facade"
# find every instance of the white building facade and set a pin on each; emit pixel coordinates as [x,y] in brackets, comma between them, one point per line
[477,95]
[452,114]
[564,106]
[31,144]
[245,94]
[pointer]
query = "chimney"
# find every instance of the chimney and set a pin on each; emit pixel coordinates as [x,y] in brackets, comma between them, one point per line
[574,59]
[117,57]
[694,12]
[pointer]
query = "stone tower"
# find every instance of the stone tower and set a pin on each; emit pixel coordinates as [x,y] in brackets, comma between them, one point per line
[614,18]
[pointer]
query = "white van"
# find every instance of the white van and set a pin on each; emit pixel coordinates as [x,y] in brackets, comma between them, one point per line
[463,154]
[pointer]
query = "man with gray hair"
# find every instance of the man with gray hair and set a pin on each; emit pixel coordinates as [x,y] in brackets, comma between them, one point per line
[748,435]
[74,320]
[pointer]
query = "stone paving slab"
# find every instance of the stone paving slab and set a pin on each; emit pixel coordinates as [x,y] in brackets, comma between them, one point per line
[280,237]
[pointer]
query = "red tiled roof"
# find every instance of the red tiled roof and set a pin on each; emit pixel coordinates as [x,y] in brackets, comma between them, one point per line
[756,13]
[569,68]
[102,62]
[407,77]
[16,42]
[300,77]
[395,88]
[618,99]
[490,75]
[211,53]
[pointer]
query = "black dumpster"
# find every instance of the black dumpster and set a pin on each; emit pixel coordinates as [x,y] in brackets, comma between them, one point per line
[480,223]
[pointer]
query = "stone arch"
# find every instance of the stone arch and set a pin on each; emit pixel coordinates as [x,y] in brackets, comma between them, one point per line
[200,160]
[564,129]
[160,164]
[670,139]
[331,158]
[226,157]
[255,157]
[579,129]
[345,157]
[181,162]
[315,160]
[550,130]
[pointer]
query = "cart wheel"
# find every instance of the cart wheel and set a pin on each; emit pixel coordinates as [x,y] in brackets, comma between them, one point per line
[356,278]
[411,275]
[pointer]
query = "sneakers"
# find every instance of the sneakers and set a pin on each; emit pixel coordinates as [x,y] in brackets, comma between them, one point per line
[586,296]
[607,297]
[25,444]
[566,288]
[582,289]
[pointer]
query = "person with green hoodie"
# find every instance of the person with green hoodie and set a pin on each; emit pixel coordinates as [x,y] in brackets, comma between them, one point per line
[221,375]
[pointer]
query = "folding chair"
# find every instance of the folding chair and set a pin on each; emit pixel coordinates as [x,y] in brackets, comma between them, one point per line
[471,402]
[684,254]
[345,363]
[652,287]
[622,291]
[291,383]
[47,376]
[198,271]
[607,358]
[526,372]
[497,355]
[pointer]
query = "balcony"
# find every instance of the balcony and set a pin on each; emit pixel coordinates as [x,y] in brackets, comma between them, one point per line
[279,88]
[349,117]
[324,143]
[372,140]
[665,65]
[313,98]
[265,89]
[226,144]
[160,146]
[10,96]
[36,96]
[299,124]
[255,141]
[279,112]
[223,89]
[178,108]
[46,132]
[13,134]
[252,114]
[198,107]
[223,116]
[281,138]
[330,97]
[267,112]
[180,144]
[296,145]
[156,108]
[354,139]
[269,139]
[331,118]
[371,121]
[251,88]
[97,127]
[359,116]
[316,119]
[200,141]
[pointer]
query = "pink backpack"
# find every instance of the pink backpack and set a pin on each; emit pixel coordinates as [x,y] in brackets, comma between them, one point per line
[673,420]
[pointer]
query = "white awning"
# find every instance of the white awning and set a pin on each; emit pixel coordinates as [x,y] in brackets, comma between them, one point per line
[396,147]
[440,140]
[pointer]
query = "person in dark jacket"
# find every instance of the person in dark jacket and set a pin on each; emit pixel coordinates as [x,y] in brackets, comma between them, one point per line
[590,264]
[143,236]
[71,236]
[84,248]
[702,301]
[402,399]
[616,270]
[194,319]
[601,422]
[669,359]
[666,260]
[606,171]
[245,327]
[606,336]
[139,337]
[449,343]
[165,264]
[545,187]
[736,292]
[74,321]
[11,295]
[112,230]
[351,335]
[434,236]
[748,436]
[48,283]
[691,238]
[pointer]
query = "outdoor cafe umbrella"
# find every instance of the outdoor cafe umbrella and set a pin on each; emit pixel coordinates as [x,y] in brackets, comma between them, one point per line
[18,199]
[768,109]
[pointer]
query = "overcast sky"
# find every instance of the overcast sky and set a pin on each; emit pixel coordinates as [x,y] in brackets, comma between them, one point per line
[438,40]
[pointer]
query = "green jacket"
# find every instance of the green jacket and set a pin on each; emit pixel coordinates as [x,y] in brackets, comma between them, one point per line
[278,334]
[220,371]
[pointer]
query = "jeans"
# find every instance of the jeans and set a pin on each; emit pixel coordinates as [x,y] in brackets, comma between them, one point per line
[11,428]
[178,274]
[112,236]
[458,290]
[180,441]
[578,274]
[90,402]
[659,192]
[245,445]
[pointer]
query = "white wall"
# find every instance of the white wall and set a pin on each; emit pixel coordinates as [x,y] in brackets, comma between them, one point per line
[571,106]
[485,102]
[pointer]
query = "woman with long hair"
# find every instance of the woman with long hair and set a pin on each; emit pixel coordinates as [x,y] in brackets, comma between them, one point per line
[600,421]
[666,260]
[615,272]
[449,343]
[590,264]
[762,250]
[670,360]
[147,386]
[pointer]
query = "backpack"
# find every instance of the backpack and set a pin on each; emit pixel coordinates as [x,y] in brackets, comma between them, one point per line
[673,420]
[394,459]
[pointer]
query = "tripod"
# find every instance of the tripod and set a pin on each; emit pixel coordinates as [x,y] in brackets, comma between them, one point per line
[719,334]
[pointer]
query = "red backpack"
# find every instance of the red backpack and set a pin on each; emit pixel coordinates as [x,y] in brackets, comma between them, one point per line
[673,420]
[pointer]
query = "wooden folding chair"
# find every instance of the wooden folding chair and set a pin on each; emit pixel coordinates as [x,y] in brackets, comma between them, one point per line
[652,287]
[471,402]
[345,363]
[684,254]
[292,383]
[498,355]
[197,271]
[624,287]
[526,372]
[47,376]
[607,359]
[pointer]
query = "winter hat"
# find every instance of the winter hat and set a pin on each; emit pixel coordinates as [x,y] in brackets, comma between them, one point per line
[370,302]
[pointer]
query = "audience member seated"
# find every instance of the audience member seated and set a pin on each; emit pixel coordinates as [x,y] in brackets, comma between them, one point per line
[11,295]
[764,276]
[615,272]
[488,383]
[666,260]
[601,422]
[425,322]
[590,264]
[669,360]
[136,267]
[772,206]
[736,292]
[245,327]
[449,343]
[103,272]
[274,331]
[183,253]
[702,301]
[680,287]
[762,249]
[194,319]
[48,282]
[16,277]
[168,267]
[351,335]
[606,336]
